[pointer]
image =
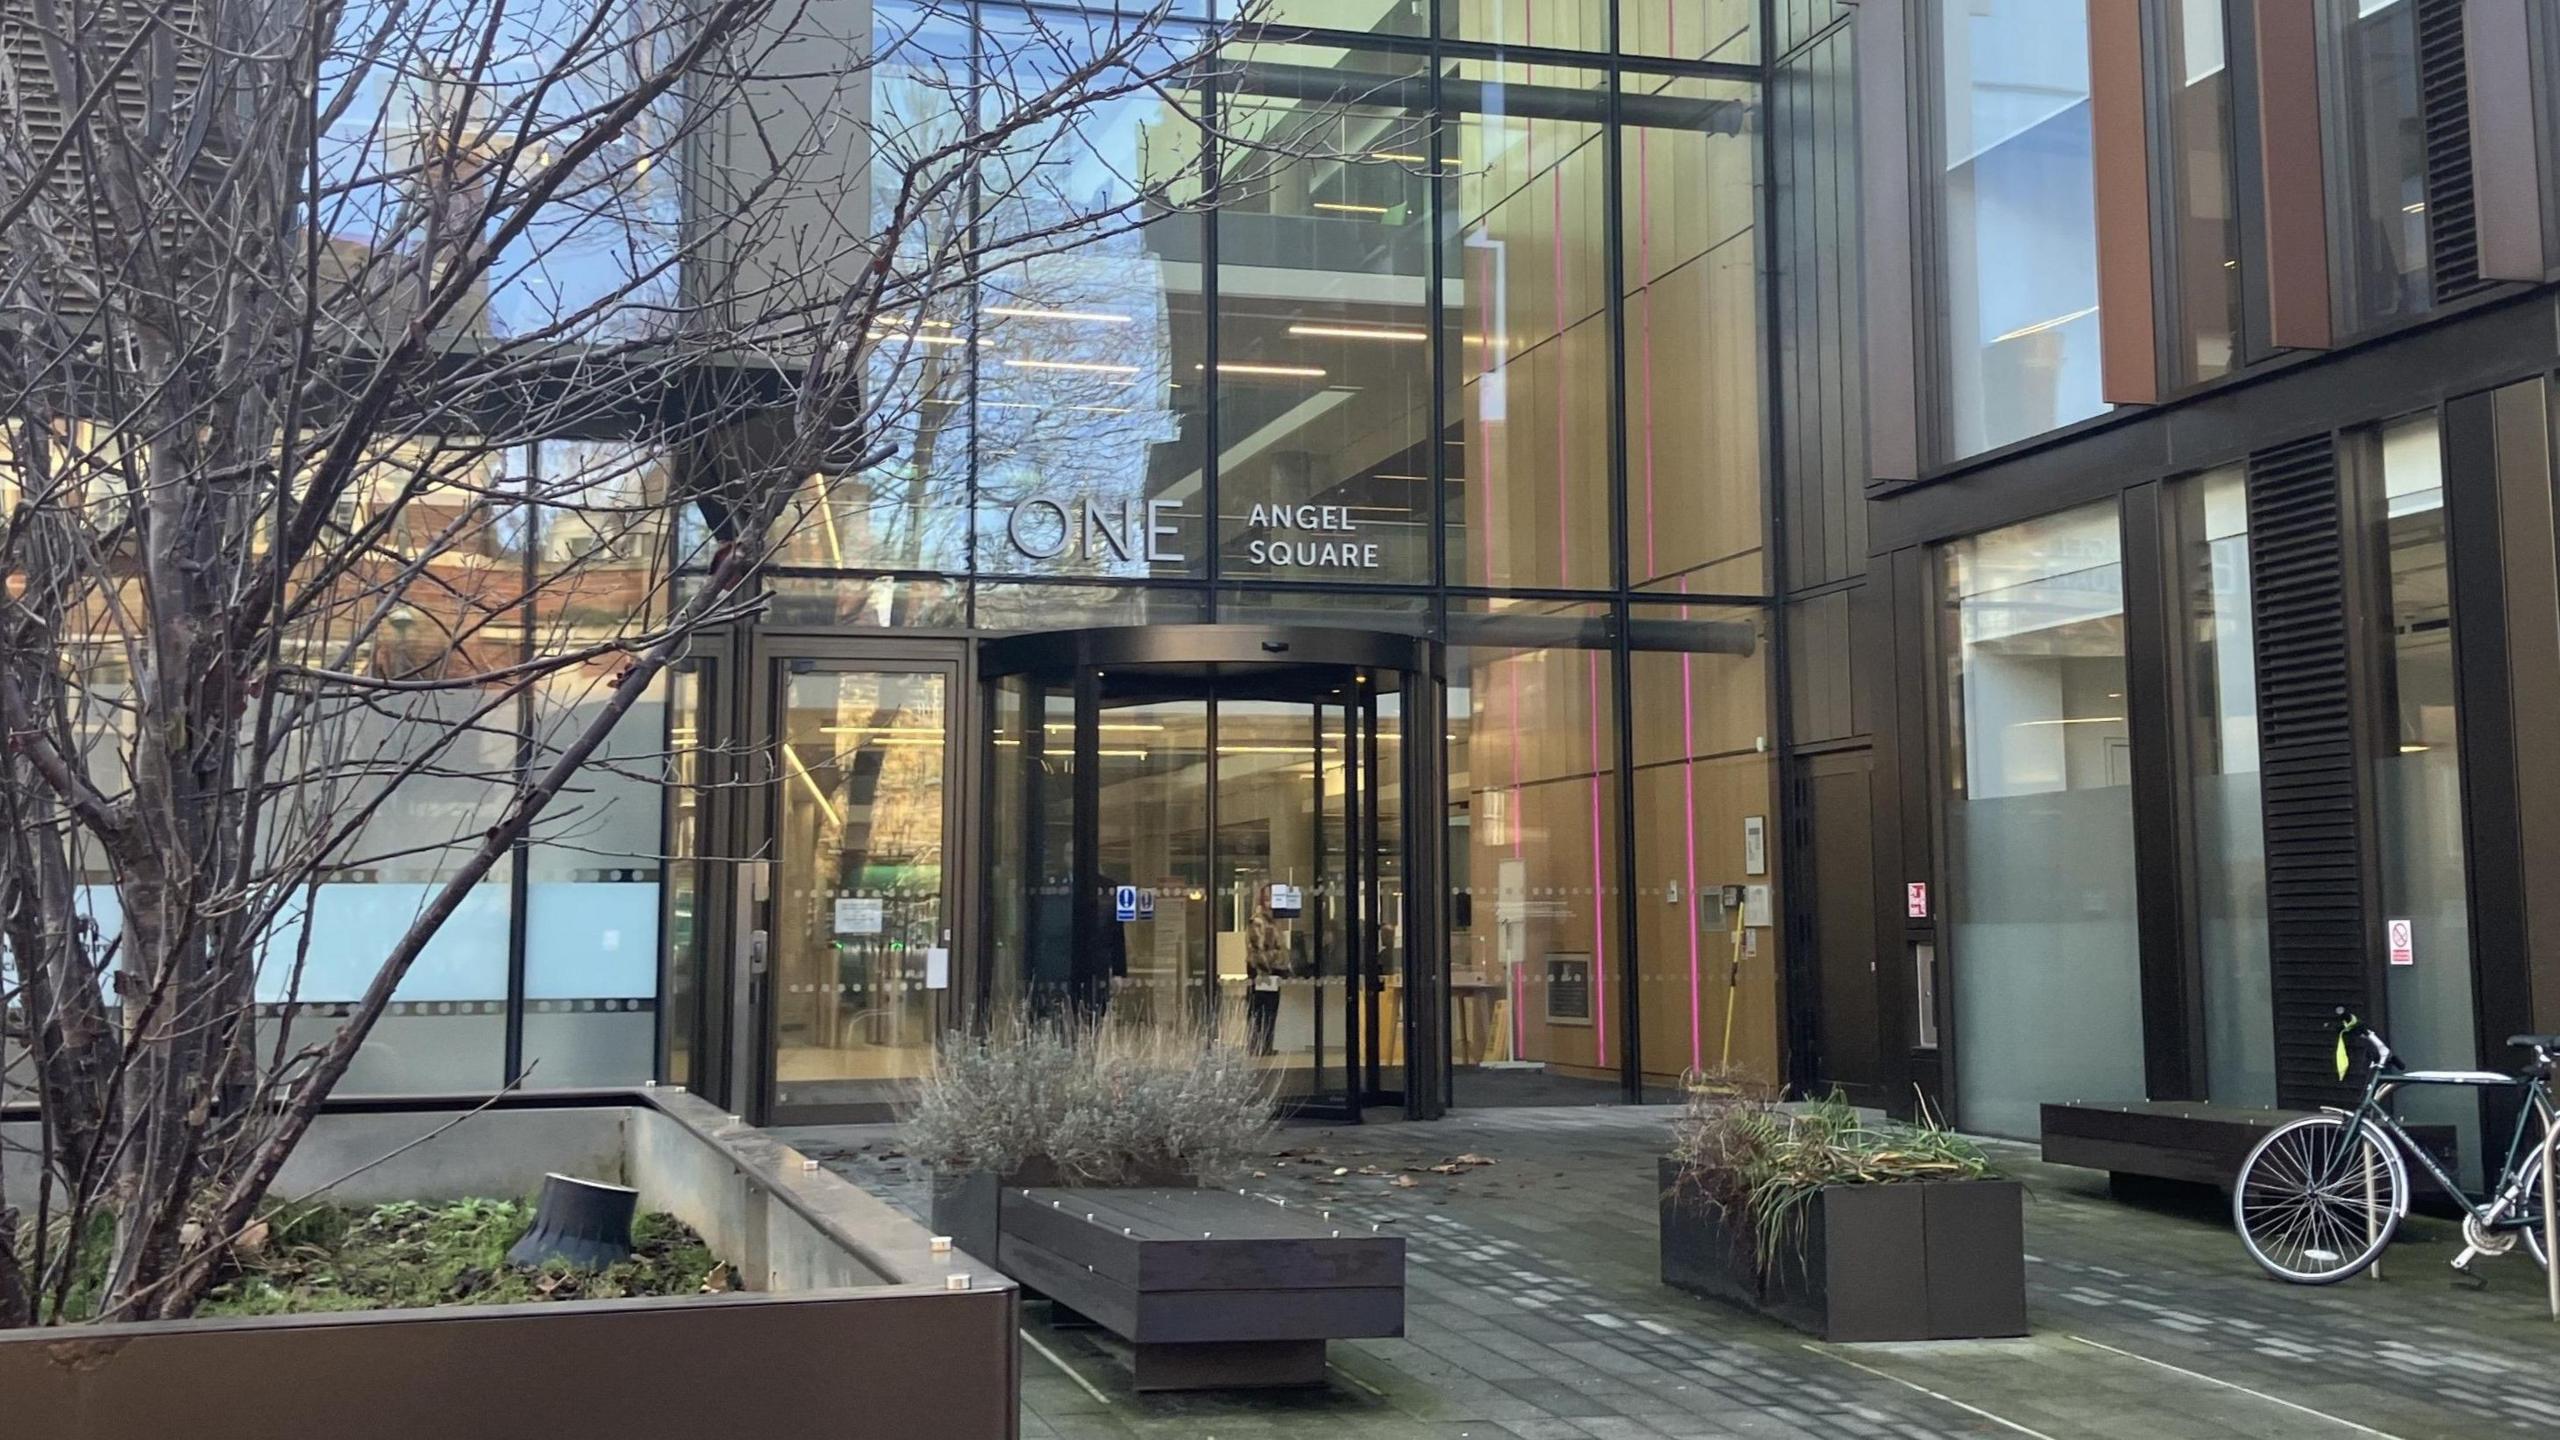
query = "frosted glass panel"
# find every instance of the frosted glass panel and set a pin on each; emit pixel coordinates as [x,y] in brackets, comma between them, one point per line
[2040,909]
[2418,791]
[2229,847]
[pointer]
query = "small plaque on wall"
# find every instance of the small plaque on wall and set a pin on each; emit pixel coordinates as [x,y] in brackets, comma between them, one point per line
[1568,989]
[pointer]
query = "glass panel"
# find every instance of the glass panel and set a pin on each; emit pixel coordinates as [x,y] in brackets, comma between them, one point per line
[1014,706]
[688,737]
[1383,873]
[2418,786]
[1404,614]
[1368,17]
[1154,831]
[1702,775]
[2017,215]
[867,602]
[2220,735]
[911,510]
[1050,975]
[592,901]
[858,900]
[2204,242]
[2040,785]
[1723,30]
[2377,160]
[1533,859]
[1690,152]
[1552,25]
[1091,351]
[1324,363]
[1525,316]
[1282,914]
[1004,606]
[592,872]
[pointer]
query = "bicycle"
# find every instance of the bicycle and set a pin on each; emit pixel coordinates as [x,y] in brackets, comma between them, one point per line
[2319,1197]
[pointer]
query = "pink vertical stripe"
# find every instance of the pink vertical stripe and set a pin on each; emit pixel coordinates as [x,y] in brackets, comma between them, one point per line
[1519,975]
[1564,393]
[1599,905]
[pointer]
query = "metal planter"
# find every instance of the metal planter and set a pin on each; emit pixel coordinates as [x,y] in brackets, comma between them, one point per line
[1935,1260]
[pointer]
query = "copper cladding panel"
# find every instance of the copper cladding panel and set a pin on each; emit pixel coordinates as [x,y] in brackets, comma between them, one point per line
[2289,156]
[2121,157]
[2506,160]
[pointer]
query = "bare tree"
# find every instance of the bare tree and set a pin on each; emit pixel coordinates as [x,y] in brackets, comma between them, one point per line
[389,389]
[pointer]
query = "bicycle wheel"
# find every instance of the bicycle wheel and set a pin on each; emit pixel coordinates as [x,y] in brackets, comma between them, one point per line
[2313,1207]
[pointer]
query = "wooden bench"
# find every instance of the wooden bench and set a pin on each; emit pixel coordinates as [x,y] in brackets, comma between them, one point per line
[2186,1140]
[1211,1288]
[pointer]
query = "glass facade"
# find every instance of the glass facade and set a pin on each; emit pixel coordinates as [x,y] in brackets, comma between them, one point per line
[1423,336]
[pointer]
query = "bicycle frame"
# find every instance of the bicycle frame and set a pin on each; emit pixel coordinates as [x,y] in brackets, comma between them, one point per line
[2510,1203]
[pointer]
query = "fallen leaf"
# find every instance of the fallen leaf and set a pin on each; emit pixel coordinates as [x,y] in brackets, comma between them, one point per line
[1340,1171]
[718,1280]
[1404,1182]
[1471,1158]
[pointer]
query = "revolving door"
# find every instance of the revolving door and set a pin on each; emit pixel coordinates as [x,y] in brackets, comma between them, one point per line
[1234,826]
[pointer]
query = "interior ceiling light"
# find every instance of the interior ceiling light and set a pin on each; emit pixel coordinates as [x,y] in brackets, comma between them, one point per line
[2038,328]
[1399,156]
[1297,372]
[935,730]
[1359,332]
[2075,720]
[1347,208]
[1097,367]
[920,339]
[1026,312]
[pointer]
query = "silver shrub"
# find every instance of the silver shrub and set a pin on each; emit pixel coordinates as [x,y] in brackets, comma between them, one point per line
[1108,1100]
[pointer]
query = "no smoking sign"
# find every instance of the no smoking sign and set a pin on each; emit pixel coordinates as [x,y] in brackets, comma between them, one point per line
[2402,937]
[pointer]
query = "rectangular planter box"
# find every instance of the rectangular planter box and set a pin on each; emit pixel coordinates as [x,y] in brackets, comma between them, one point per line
[850,1325]
[1928,1261]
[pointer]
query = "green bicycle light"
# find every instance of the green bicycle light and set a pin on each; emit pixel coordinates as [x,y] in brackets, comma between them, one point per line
[2344,1026]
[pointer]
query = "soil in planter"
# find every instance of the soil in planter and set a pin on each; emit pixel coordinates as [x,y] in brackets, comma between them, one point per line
[413,1256]
[408,1256]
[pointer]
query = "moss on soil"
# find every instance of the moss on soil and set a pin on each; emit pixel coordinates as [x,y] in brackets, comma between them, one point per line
[409,1255]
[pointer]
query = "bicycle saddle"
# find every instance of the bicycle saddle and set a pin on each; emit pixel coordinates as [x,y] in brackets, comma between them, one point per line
[2538,1042]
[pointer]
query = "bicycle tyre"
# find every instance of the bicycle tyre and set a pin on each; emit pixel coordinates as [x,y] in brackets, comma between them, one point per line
[2304,1228]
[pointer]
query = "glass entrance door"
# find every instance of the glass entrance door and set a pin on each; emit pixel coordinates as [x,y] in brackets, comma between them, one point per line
[859,923]
[1221,844]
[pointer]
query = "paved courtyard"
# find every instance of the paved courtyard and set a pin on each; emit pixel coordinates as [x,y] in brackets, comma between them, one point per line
[1534,1314]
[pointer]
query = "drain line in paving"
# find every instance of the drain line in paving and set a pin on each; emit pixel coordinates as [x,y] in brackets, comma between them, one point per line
[1052,1357]
[1932,1394]
[2356,1426]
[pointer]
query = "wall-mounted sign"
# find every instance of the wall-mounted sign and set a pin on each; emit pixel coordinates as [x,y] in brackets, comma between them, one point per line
[1308,537]
[1916,900]
[1040,528]
[2403,937]
[1755,845]
[1124,903]
[1568,989]
[1288,902]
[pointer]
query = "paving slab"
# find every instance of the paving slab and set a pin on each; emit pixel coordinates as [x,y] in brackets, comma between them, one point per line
[1535,1314]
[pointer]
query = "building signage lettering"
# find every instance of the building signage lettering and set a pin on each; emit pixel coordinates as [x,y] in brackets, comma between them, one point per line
[1040,528]
[1330,549]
